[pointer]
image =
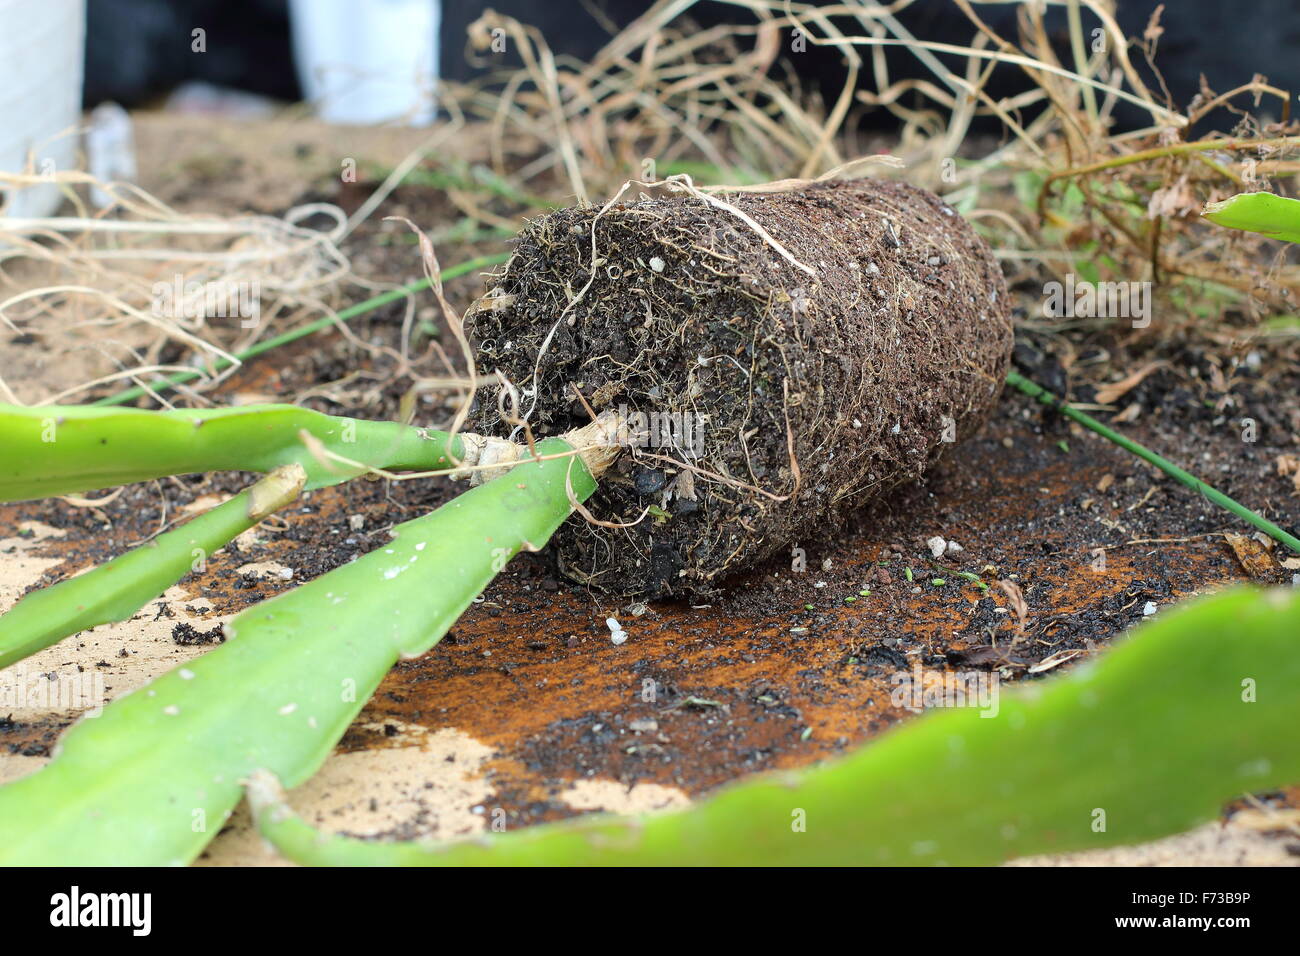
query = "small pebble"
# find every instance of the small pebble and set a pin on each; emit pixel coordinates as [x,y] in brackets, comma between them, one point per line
[616,633]
[1149,608]
[648,481]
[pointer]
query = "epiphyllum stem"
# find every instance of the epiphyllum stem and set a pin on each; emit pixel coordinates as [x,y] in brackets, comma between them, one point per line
[98,443]
[152,779]
[62,449]
[116,590]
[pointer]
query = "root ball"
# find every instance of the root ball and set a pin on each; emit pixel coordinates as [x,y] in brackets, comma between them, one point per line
[770,399]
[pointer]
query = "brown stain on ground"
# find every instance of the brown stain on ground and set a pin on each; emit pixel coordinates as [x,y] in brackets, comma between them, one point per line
[757,681]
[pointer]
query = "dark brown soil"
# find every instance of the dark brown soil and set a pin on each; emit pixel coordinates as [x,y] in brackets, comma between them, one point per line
[776,400]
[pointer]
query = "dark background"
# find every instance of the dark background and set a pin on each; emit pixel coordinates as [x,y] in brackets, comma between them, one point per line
[138,50]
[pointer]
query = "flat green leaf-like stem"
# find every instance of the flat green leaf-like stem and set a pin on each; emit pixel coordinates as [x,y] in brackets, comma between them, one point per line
[1274,216]
[116,590]
[55,450]
[152,779]
[1198,706]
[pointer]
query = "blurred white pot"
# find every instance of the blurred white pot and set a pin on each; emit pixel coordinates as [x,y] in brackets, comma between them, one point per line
[368,61]
[41,52]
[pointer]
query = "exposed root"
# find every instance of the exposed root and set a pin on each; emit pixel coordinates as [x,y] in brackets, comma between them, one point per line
[786,396]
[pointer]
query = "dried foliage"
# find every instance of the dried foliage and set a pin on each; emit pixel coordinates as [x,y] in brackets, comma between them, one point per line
[1059,192]
[139,288]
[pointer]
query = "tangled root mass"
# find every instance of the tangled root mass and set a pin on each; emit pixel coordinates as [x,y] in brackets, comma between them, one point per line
[771,399]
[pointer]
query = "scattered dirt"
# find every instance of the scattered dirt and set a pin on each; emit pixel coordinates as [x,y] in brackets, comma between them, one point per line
[781,669]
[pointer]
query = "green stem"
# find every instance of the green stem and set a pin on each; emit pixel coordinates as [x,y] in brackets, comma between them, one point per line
[62,449]
[1153,739]
[152,779]
[346,315]
[1160,152]
[116,590]
[1274,216]
[1033,390]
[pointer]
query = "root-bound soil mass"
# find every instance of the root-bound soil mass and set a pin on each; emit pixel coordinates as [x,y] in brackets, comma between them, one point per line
[779,379]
